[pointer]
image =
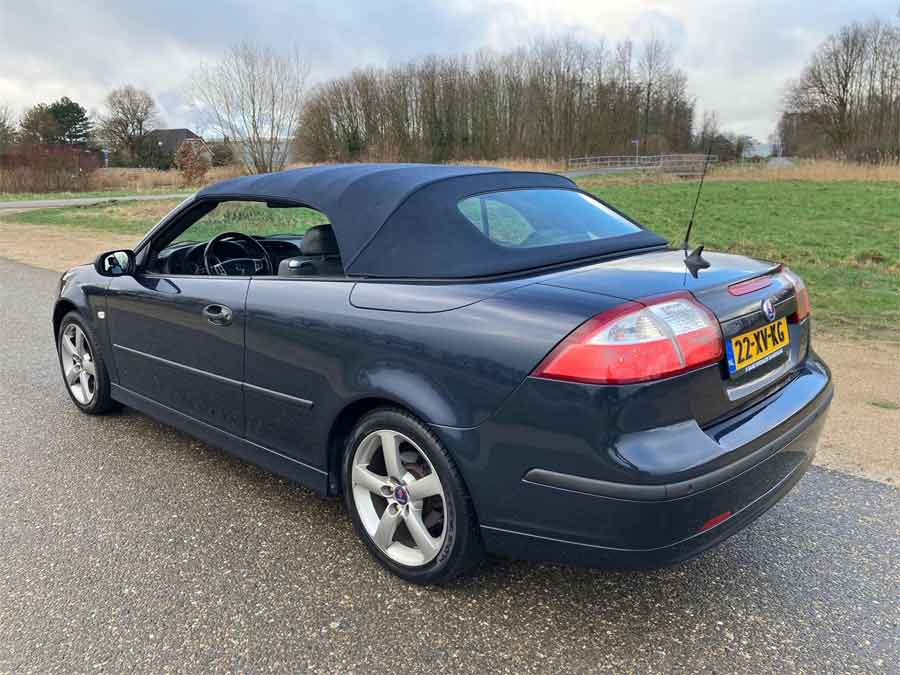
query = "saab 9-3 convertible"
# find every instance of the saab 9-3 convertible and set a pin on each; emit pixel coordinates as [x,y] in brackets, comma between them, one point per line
[478,360]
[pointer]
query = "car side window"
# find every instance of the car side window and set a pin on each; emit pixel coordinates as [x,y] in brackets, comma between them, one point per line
[253,218]
[247,238]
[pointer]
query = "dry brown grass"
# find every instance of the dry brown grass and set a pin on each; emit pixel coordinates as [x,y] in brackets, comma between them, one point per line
[153,180]
[813,171]
[136,180]
[518,164]
[149,180]
[821,171]
[797,170]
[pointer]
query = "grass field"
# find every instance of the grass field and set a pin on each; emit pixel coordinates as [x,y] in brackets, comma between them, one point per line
[135,218]
[842,237]
[34,196]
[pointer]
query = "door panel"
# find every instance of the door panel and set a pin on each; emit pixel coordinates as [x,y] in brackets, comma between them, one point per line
[170,346]
[296,347]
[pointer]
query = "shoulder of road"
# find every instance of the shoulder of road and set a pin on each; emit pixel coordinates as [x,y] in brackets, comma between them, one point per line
[86,201]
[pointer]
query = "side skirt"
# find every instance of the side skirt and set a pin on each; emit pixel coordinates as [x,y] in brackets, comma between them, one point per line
[282,465]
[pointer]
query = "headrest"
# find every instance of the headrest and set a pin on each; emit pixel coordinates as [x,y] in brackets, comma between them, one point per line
[319,240]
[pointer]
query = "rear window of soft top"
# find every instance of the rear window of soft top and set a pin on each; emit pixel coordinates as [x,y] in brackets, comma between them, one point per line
[534,217]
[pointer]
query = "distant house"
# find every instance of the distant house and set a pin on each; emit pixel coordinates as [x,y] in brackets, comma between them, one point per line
[168,140]
[160,146]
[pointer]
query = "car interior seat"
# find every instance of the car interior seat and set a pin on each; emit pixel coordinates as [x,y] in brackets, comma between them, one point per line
[319,255]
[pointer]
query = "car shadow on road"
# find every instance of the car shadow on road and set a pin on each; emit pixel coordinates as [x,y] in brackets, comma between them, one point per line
[742,564]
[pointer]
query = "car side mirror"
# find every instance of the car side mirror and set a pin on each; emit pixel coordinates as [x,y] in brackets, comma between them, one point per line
[115,263]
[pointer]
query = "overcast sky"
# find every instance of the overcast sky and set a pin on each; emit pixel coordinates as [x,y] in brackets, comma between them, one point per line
[737,53]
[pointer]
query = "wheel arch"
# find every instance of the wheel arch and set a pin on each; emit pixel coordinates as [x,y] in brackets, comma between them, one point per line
[63,307]
[340,430]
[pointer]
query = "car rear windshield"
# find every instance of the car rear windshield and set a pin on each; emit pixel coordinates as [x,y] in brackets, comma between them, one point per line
[530,218]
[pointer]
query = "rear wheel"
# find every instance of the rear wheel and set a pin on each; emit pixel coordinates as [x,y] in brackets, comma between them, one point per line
[407,500]
[83,369]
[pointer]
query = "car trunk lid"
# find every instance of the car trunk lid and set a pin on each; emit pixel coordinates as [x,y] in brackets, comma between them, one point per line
[736,289]
[660,272]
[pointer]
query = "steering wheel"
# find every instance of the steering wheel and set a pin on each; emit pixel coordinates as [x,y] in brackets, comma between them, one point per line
[236,266]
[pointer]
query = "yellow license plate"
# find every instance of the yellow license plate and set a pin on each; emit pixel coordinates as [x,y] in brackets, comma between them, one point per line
[756,347]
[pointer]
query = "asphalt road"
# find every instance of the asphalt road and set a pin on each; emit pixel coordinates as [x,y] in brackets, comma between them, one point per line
[128,547]
[83,201]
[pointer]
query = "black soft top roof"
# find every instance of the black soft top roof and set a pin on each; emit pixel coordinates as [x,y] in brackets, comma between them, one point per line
[402,220]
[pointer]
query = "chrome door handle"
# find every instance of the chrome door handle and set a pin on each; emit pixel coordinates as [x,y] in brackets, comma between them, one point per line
[218,315]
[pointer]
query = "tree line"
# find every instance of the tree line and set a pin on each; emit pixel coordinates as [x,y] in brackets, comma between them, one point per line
[123,128]
[551,100]
[60,122]
[846,102]
[129,114]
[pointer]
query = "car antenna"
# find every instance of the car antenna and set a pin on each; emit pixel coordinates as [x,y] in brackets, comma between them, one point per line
[694,260]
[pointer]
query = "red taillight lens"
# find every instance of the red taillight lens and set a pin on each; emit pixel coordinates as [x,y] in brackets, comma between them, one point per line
[637,342]
[801,293]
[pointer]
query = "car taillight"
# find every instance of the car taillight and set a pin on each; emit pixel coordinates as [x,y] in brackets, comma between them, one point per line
[636,342]
[801,293]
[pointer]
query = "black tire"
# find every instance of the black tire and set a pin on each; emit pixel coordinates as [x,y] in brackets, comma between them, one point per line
[462,548]
[102,401]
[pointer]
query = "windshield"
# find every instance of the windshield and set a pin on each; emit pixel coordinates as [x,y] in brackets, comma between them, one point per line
[531,218]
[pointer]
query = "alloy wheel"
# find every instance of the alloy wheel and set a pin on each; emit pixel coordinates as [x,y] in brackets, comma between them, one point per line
[79,367]
[399,498]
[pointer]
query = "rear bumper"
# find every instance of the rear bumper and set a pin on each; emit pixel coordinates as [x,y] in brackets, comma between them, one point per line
[756,490]
[742,466]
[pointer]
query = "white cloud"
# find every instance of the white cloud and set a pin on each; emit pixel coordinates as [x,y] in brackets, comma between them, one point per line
[738,55]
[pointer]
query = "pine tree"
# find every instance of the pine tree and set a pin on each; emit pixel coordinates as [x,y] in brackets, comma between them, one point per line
[39,125]
[72,119]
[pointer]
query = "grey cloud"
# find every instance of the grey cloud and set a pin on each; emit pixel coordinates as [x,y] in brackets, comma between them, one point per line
[737,54]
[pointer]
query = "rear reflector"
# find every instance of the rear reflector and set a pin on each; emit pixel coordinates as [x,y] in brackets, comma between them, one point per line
[712,522]
[637,342]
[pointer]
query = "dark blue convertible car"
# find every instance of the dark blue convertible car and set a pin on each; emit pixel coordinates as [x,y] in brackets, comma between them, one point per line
[478,360]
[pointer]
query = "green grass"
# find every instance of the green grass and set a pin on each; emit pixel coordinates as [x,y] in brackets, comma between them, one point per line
[120,217]
[842,237]
[40,196]
[135,218]
[885,405]
[252,218]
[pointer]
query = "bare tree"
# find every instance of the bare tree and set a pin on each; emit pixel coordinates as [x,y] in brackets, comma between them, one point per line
[552,99]
[253,96]
[709,128]
[846,101]
[7,127]
[130,114]
[655,65]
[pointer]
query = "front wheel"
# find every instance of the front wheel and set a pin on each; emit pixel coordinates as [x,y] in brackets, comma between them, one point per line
[407,499]
[83,369]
